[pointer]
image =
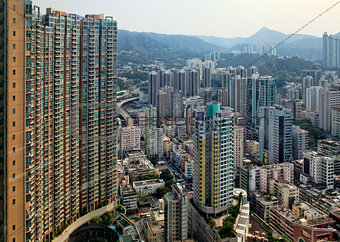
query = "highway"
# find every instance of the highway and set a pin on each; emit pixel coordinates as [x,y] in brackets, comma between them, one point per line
[121,111]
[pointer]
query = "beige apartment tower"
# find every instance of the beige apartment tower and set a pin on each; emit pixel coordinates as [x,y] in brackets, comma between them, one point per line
[57,118]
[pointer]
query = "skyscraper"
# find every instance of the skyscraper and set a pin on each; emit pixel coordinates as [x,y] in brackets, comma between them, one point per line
[300,142]
[328,98]
[153,87]
[275,135]
[331,51]
[58,74]
[261,91]
[223,97]
[213,160]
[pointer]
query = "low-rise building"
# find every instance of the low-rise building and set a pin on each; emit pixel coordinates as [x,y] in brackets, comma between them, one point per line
[261,204]
[128,197]
[137,165]
[148,187]
[282,220]
[155,231]
[256,178]
[287,193]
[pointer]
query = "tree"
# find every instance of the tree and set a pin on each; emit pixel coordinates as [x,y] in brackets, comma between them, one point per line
[121,208]
[96,220]
[161,191]
[167,177]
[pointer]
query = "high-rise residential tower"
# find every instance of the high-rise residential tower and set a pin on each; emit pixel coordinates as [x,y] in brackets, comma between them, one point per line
[331,51]
[213,160]
[275,135]
[58,153]
[261,91]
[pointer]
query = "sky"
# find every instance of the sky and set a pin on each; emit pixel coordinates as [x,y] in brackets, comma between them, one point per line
[224,18]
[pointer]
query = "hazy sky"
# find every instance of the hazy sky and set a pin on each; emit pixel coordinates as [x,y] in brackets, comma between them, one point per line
[225,18]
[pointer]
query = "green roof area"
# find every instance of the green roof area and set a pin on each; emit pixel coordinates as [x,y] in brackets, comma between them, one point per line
[124,223]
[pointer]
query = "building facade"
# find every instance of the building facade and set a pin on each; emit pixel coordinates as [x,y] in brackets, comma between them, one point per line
[300,142]
[59,150]
[275,135]
[176,214]
[213,158]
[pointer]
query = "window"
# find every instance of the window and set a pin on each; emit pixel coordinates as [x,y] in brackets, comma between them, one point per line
[14,8]
[13,110]
[13,124]
[13,72]
[13,202]
[13,98]
[13,188]
[13,175]
[13,137]
[13,227]
[14,85]
[13,149]
[14,59]
[13,239]
[14,20]
[14,46]
[14,163]
[14,33]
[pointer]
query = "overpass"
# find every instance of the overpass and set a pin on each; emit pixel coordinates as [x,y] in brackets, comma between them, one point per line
[83,220]
[121,111]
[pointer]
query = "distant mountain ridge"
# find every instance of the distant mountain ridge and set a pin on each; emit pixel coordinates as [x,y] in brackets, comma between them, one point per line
[184,46]
[263,36]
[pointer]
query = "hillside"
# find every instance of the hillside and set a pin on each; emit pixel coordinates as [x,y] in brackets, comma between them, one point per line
[150,46]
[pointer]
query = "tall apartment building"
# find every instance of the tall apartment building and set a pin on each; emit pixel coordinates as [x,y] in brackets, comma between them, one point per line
[275,135]
[238,146]
[331,51]
[213,158]
[257,178]
[312,98]
[129,138]
[147,120]
[300,142]
[223,97]
[328,98]
[237,92]
[261,91]
[156,142]
[58,154]
[320,168]
[176,214]
[335,121]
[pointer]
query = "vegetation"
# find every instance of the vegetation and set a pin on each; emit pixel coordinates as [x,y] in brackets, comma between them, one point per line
[96,220]
[282,69]
[106,218]
[161,191]
[143,201]
[121,208]
[167,177]
[314,134]
[148,177]
[227,229]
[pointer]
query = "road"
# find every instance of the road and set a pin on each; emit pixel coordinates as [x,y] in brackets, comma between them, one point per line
[121,111]
[83,220]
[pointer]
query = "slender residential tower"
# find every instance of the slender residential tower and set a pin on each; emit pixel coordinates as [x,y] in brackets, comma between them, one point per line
[58,120]
[213,166]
